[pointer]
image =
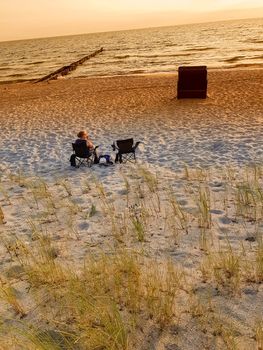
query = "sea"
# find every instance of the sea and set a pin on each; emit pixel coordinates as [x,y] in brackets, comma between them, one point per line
[226,44]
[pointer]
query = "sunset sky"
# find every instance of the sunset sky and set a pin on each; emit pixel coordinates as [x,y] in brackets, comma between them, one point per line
[21,19]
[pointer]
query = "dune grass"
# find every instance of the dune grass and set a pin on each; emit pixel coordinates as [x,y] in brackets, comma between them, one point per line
[129,276]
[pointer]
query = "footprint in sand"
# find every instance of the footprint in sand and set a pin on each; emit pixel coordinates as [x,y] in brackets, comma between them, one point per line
[182,202]
[123,192]
[84,226]
[225,220]
[172,347]
[224,230]
[216,184]
[216,212]
[15,271]
[218,189]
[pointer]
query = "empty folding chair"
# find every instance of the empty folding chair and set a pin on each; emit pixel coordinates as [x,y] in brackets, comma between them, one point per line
[126,151]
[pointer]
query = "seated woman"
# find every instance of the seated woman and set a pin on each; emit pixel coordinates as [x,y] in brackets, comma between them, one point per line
[84,137]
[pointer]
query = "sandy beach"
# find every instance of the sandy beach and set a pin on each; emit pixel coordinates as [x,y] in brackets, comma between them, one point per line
[39,121]
[193,198]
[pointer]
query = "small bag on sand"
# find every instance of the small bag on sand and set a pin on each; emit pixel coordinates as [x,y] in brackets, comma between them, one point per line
[105,160]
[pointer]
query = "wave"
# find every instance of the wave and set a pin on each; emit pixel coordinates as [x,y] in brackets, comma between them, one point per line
[170,45]
[115,49]
[148,56]
[105,63]
[248,65]
[201,49]
[17,81]
[136,71]
[253,41]
[250,50]
[238,58]
[256,57]
[5,68]
[179,55]
[34,63]
[153,56]
[233,59]
[16,75]
[122,57]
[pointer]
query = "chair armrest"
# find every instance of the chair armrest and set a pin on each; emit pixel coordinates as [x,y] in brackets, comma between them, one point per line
[136,145]
[114,147]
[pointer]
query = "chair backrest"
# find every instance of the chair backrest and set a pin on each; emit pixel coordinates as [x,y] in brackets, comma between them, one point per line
[125,146]
[81,149]
[192,81]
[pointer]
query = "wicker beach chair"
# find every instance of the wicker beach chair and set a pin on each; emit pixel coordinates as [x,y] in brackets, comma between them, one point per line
[126,150]
[192,82]
[82,155]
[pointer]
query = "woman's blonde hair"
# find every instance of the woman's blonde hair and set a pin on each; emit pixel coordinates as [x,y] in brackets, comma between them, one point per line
[82,133]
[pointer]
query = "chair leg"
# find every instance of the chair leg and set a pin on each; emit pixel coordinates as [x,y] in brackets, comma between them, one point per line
[118,158]
[125,157]
[84,161]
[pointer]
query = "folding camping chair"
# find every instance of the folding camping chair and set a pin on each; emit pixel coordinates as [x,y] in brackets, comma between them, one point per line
[126,150]
[83,155]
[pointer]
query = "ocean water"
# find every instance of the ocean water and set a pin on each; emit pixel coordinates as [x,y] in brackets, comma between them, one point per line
[227,44]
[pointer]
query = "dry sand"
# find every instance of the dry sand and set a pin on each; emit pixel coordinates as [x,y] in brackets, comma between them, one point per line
[39,122]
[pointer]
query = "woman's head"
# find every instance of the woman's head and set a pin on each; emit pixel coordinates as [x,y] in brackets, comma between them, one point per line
[83,134]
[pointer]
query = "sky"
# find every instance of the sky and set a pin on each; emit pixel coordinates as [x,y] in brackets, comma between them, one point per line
[24,19]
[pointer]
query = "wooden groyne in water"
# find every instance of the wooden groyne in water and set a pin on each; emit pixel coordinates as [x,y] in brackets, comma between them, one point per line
[67,69]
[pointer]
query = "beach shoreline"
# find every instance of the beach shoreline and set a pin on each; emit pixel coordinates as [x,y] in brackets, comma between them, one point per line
[242,67]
